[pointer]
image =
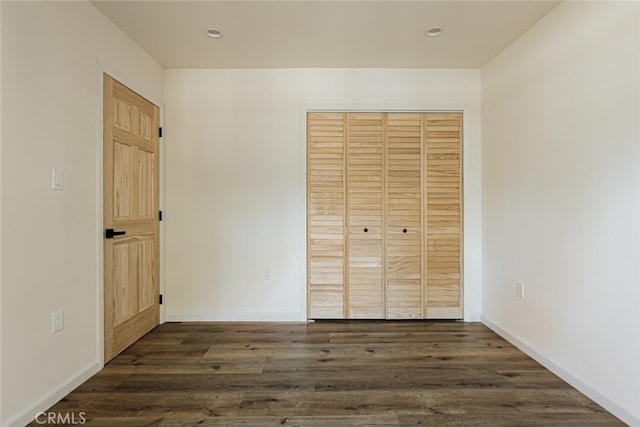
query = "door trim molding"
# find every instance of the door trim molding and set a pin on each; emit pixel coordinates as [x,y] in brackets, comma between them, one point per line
[471,138]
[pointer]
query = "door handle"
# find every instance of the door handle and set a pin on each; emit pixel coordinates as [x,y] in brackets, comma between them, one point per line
[109,233]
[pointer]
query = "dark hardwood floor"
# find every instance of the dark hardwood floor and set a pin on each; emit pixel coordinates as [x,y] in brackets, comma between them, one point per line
[352,373]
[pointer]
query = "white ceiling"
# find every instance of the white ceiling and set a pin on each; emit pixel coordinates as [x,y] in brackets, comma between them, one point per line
[334,33]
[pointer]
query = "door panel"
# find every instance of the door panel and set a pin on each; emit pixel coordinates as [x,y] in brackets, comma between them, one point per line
[325,215]
[122,182]
[147,262]
[443,141]
[404,216]
[146,181]
[131,270]
[365,190]
[125,298]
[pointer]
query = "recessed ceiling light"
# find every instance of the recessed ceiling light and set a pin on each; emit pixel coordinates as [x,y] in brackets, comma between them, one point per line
[213,33]
[433,32]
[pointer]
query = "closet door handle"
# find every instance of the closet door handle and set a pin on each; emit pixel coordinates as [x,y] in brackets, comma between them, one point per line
[404,230]
[366,229]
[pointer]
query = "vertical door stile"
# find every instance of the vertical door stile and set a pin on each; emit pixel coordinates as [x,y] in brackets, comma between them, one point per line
[461,213]
[385,210]
[308,212]
[423,213]
[108,215]
[385,195]
[345,214]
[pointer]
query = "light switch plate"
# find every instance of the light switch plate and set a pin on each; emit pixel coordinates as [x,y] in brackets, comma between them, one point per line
[57,180]
[520,290]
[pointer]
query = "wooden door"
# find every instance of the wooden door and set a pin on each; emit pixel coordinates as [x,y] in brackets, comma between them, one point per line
[325,215]
[365,226]
[404,291]
[399,177]
[443,215]
[131,180]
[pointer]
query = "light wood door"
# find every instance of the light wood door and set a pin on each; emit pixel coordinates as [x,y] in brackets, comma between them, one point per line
[384,215]
[325,215]
[443,210]
[365,206]
[131,179]
[404,292]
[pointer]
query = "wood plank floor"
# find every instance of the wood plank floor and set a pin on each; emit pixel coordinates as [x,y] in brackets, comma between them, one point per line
[355,373]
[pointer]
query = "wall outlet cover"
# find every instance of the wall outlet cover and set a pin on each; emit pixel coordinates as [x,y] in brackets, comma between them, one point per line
[57,321]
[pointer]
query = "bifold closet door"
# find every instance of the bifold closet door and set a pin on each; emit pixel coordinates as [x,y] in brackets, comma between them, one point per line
[404,291]
[365,190]
[384,212]
[325,215]
[443,210]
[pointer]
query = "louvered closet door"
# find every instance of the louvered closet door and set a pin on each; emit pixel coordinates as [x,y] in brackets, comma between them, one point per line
[325,215]
[443,140]
[365,169]
[404,293]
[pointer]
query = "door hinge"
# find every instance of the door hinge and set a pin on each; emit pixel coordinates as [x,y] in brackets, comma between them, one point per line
[160,215]
[160,132]
[160,299]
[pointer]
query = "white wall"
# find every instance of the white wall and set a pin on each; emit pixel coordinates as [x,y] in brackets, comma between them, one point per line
[51,239]
[561,197]
[235,179]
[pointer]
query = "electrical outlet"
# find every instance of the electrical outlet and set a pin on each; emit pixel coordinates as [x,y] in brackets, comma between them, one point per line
[57,321]
[520,290]
[267,274]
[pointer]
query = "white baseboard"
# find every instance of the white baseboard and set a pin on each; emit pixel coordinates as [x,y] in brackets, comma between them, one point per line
[578,383]
[234,317]
[255,317]
[54,396]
